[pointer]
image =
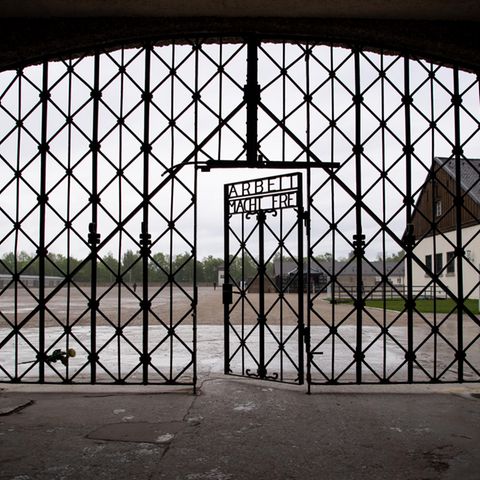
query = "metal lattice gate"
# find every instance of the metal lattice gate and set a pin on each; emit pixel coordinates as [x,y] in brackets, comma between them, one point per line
[98,206]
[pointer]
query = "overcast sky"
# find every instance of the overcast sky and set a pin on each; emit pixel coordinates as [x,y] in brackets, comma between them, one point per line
[331,99]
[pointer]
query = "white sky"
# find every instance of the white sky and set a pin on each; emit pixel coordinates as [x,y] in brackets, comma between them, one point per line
[431,99]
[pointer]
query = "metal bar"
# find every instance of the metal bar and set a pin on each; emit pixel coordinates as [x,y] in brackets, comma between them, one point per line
[244,237]
[307,228]
[432,113]
[458,153]
[226,279]
[220,98]
[43,199]
[209,164]
[384,218]
[252,97]
[93,235]
[358,237]
[195,209]
[243,249]
[281,252]
[172,213]
[333,217]
[69,206]
[17,230]
[300,282]
[144,235]
[120,215]
[408,219]
[261,216]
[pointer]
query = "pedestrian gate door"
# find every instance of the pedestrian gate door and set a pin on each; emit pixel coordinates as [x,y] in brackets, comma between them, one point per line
[264,284]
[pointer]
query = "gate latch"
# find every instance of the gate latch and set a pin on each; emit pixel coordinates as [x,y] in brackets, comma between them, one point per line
[227,295]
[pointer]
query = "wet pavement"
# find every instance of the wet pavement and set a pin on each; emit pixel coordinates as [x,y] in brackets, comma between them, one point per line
[240,429]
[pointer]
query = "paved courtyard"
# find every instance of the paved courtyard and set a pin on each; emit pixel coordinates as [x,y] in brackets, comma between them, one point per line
[119,353]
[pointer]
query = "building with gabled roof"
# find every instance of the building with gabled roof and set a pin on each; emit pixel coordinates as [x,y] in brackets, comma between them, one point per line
[435,220]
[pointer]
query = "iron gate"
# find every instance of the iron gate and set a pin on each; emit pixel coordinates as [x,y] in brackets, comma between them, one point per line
[264,282]
[98,206]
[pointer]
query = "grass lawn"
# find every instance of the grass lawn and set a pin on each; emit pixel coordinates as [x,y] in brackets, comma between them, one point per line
[424,306]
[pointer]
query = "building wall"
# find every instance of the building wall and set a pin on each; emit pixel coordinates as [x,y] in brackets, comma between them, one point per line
[443,244]
[441,187]
[220,276]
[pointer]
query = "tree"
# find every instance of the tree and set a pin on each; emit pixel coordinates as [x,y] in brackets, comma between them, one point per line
[107,268]
[209,270]
[324,257]
[56,264]
[183,267]
[159,267]
[394,257]
[242,269]
[7,263]
[132,267]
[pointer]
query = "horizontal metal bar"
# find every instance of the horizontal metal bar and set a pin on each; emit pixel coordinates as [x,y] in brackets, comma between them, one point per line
[209,164]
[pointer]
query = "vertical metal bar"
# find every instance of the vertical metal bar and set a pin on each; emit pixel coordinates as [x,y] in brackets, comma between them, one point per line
[281,272]
[252,94]
[301,286]
[195,209]
[333,270]
[284,100]
[307,226]
[93,236]
[120,215]
[42,253]
[432,147]
[145,236]
[172,208]
[458,153]
[17,222]
[244,247]
[69,203]
[384,218]
[408,219]
[261,293]
[226,279]
[220,98]
[358,238]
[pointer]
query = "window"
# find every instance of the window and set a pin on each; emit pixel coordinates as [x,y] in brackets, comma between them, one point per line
[450,263]
[438,208]
[428,264]
[438,263]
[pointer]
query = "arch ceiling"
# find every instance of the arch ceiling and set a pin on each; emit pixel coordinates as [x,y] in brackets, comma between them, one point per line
[447,30]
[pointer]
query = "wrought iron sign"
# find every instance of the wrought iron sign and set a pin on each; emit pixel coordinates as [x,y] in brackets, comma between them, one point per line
[273,193]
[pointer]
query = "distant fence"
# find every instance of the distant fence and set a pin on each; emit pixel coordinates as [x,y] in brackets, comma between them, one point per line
[375,292]
[30,280]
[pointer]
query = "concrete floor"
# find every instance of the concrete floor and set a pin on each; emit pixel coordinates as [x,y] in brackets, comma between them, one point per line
[240,429]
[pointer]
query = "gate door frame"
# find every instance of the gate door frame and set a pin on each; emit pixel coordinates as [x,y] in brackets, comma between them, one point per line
[259,201]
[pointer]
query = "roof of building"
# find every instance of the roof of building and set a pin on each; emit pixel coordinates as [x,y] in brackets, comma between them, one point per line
[469,174]
[344,267]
